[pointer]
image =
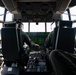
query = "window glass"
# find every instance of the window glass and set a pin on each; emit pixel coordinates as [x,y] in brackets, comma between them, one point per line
[1,25]
[9,16]
[50,27]
[37,28]
[73,13]
[25,27]
[1,13]
[65,16]
[74,25]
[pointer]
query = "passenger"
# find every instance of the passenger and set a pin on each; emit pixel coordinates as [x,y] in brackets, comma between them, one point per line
[25,38]
[63,63]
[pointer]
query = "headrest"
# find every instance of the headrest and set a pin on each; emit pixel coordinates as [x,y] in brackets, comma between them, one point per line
[65,23]
[10,24]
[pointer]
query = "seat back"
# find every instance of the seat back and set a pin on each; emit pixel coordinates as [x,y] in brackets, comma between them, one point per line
[68,24]
[10,44]
[66,39]
[61,25]
[19,32]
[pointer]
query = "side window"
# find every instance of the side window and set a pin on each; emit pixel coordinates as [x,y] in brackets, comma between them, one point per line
[1,25]
[65,16]
[73,13]
[1,13]
[50,26]
[25,27]
[74,25]
[9,16]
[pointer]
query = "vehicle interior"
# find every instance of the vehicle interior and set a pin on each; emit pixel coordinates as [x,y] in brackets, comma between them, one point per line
[39,18]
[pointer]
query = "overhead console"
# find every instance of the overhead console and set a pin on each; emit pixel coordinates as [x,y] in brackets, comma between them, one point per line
[36,10]
[61,6]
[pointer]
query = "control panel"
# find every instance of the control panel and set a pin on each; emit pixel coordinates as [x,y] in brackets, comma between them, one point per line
[36,62]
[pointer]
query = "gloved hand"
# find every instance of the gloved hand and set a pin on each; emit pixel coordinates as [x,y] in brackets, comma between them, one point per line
[36,47]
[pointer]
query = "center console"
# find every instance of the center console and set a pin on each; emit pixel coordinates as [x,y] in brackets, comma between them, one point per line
[36,65]
[36,62]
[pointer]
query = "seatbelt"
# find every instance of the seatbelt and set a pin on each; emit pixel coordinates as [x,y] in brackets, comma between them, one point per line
[57,36]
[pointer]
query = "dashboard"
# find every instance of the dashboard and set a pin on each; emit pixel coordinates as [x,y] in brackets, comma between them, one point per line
[38,37]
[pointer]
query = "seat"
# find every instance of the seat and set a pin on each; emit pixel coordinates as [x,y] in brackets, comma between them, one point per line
[66,39]
[62,24]
[19,34]
[65,36]
[12,46]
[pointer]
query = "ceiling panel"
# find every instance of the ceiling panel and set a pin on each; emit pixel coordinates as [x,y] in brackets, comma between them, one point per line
[37,0]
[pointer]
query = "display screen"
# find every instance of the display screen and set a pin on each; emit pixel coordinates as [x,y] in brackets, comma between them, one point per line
[38,37]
